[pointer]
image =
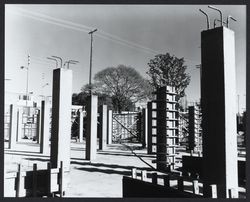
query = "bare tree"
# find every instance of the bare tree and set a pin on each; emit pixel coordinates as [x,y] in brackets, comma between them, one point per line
[124,84]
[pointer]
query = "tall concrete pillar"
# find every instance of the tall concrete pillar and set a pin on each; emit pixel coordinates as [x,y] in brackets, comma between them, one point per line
[144,127]
[61,118]
[191,128]
[103,127]
[20,124]
[80,124]
[91,133]
[110,127]
[149,146]
[218,98]
[44,128]
[38,126]
[13,126]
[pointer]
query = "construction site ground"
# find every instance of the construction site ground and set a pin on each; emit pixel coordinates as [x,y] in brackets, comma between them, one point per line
[101,177]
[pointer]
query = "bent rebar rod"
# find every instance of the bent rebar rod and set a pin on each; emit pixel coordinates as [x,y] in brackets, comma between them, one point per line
[206,17]
[214,8]
[230,17]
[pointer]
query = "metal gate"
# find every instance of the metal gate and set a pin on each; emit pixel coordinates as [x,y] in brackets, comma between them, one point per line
[126,126]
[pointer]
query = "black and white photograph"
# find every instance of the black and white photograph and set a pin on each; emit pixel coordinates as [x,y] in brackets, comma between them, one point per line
[125,100]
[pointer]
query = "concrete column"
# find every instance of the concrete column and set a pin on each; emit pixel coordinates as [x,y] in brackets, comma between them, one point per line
[20,124]
[191,128]
[218,98]
[38,126]
[161,138]
[61,118]
[13,126]
[44,128]
[144,127]
[103,127]
[110,126]
[91,133]
[80,131]
[149,139]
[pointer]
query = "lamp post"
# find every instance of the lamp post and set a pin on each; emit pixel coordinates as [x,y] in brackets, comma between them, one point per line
[90,65]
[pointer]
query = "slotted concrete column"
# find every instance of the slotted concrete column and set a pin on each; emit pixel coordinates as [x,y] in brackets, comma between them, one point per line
[44,128]
[103,127]
[218,97]
[91,133]
[191,128]
[80,131]
[61,118]
[110,126]
[13,127]
[20,124]
[144,127]
[149,146]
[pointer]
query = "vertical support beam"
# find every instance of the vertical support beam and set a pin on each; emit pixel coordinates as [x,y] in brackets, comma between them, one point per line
[166,180]
[134,173]
[20,124]
[191,128]
[161,138]
[13,126]
[80,131]
[61,118]
[44,132]
[213,191]
[19,182]
[149,138]
[218,97]
[143,175]
[34,180]
[154,178]
[103,127]
[144,127]
[196,187]
[180,184]
[48,179]
[61,180]
[38,125]
[110,126]
[91,133]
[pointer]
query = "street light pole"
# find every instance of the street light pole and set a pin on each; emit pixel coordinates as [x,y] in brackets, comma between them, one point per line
[90,65]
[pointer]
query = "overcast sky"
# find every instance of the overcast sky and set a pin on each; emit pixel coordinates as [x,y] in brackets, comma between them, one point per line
[127,34]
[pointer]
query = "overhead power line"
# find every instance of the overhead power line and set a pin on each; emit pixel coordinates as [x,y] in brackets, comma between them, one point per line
[86,29]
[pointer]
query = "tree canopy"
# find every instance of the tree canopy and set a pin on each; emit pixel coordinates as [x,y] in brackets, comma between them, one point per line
[123,84]
[165,69]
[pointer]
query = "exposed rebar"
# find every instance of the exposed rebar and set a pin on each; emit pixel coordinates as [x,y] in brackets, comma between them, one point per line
[221,16]
[206,17]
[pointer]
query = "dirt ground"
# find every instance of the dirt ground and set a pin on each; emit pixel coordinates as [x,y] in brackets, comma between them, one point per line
[99,178]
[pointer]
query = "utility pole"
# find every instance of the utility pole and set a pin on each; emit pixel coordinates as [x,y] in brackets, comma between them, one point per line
[238,103]
[27,78]
[27,84]
[90,65]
